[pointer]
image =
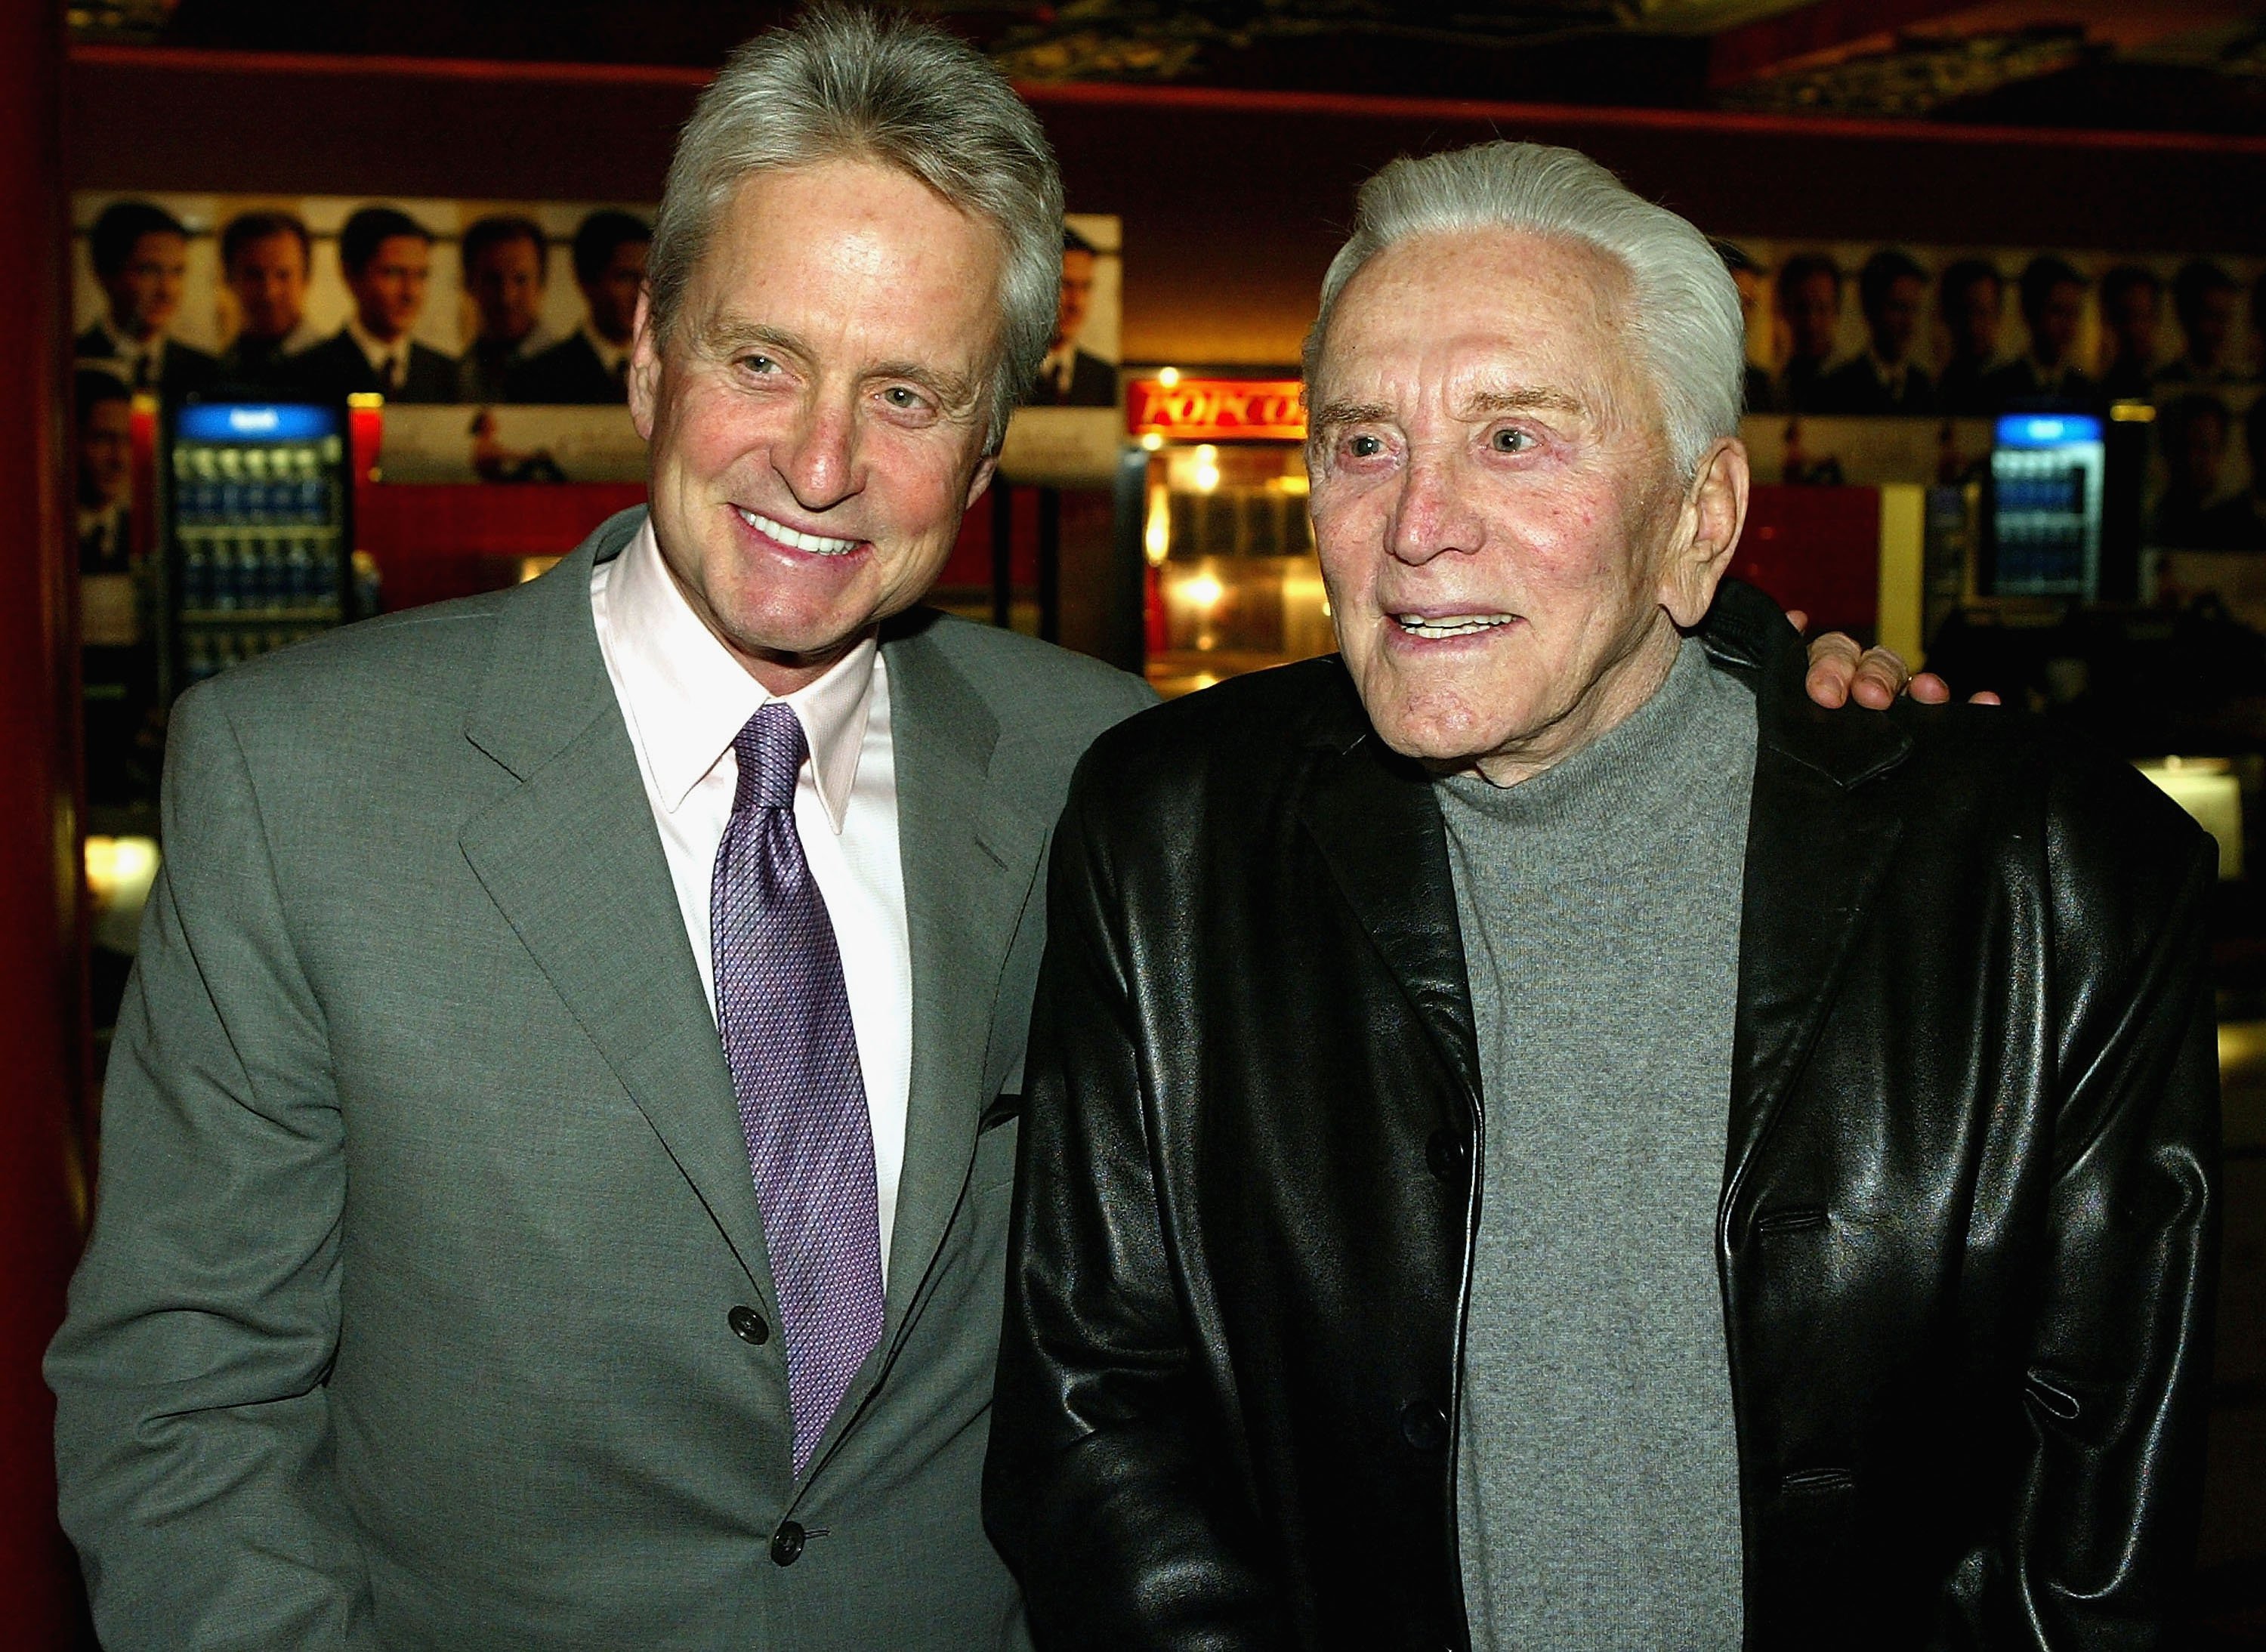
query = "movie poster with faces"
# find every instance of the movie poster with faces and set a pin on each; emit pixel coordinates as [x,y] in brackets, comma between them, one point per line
[498,332]
[423,301]
[1959,334]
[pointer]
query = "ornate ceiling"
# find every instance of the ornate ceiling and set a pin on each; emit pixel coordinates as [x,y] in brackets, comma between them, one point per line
[2165,64]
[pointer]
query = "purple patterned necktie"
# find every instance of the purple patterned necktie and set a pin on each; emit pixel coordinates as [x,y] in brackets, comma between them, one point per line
[785,1016]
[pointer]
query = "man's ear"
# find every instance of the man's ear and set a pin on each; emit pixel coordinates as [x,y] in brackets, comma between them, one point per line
[985,468]
[1707,532]
[645,368]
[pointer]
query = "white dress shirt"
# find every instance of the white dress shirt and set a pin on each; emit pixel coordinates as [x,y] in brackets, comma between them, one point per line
[611,357]
[380,355]
[684,697]
[144,363]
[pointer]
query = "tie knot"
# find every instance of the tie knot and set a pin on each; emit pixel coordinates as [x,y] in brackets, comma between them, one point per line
[771,750]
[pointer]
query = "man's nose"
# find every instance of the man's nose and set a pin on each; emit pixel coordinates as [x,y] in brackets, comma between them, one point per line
[819,461]
[1432,516]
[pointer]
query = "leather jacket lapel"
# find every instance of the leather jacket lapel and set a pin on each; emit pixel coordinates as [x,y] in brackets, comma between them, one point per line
[1373,817]
[1815,856]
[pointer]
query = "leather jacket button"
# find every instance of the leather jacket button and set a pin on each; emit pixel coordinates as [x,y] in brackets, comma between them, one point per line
[749,1325]
[1424,1425]
[787,1544]
[1447,1153]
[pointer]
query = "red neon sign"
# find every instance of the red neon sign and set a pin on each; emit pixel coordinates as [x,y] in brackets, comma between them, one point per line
[1216,409]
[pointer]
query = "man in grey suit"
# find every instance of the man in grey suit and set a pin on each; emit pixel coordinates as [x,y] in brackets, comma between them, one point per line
[432,1300]
[482,1260]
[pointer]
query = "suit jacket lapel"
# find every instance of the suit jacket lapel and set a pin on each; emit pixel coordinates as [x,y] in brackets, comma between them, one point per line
[1375,819]
[572,860]
[971,851]
[1818,846]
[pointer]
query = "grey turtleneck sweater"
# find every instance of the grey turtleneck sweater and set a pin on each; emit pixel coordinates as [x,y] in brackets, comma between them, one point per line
[1597,1468]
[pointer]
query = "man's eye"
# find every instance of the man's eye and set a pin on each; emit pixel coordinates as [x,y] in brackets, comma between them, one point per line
[1511,441]
[1364,447]
[758,363]
[903,397]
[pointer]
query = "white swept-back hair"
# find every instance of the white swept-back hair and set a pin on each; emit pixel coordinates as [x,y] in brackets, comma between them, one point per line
[1683,311]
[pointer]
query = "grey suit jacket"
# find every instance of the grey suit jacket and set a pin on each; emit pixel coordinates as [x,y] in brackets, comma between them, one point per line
[424,1203]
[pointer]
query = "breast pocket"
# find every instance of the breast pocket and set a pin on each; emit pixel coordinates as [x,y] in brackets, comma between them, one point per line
[994,1170]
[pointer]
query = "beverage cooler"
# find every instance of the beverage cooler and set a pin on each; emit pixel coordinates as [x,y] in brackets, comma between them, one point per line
[255,504]
[1232,583]
[2044,508]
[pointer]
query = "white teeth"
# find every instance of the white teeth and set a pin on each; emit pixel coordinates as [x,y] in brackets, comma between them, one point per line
[817,545]
[1451,625]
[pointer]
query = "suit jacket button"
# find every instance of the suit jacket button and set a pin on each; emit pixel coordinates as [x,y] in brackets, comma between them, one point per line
[749,1326]
[1424,1425]
[787,1544]
[1447,1153]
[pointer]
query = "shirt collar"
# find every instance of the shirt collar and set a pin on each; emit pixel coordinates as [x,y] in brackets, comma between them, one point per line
[610,355]
[120,345]
[376,350]
[689,696]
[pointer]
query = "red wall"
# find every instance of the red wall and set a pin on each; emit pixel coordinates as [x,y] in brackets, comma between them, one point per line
[40,1007]
[1817,549]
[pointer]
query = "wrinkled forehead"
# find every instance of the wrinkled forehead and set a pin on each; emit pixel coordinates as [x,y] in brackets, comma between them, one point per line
[1448,313]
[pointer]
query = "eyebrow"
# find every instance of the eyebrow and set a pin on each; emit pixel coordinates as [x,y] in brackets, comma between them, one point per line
[1481,405]
[1337,414]
[725,336]
[1538,399]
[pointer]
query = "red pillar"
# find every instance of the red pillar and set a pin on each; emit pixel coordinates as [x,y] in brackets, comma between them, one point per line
[40,998]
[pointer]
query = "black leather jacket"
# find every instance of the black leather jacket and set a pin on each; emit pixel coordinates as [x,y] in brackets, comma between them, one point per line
[1966,1237]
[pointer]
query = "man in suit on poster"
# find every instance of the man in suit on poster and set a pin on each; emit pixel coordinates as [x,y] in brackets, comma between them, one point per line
[102,410]
[558,1141]
[1884,378]
[386,257]
[591,364]
[1809,302]
[2240,524]
[2204,299]
[2132,312]
[1970,299]
[2047,375]
[1070,377]
[264,257]
[507,263]
[140,258]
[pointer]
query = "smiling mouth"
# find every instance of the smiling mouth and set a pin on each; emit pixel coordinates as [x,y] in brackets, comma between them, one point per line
[813,544]
[1451,625]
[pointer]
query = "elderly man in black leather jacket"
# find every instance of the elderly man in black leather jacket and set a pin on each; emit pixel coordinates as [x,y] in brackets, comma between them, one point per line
[1539,1136]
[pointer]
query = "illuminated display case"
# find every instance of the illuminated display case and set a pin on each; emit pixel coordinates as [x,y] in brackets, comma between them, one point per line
[255,509]
[1233,582]
[2044,506]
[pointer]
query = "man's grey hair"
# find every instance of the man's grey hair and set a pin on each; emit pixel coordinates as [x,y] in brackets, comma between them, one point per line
[848,84]
[1683,312]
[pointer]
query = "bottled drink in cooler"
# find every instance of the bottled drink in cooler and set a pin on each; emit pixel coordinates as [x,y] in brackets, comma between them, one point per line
[253,515]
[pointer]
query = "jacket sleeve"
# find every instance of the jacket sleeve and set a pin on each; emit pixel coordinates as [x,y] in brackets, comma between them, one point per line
[192,1433]
[1099,1490]
[2119,1368]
